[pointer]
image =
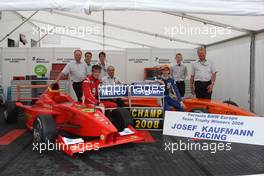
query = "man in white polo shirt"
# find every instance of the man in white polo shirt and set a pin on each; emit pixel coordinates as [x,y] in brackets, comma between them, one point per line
[88,58]
[203,76]
[78,71]
[102,63]
[179,73]
[110,78]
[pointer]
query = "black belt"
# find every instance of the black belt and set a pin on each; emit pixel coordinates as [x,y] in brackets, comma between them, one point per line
[203,81]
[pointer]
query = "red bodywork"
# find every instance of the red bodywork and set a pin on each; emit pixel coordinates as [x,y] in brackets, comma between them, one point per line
[77,119]
[212,106]
[215,107]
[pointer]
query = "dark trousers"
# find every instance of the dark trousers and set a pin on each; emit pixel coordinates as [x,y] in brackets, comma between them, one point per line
[201,90]
[77,87]
[181,87]
[120,102]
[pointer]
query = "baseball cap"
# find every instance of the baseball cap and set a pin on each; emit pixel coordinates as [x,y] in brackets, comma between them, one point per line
[165,67]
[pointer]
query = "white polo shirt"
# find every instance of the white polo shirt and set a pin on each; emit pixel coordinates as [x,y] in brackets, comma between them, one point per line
[179,72]
[202,70]
[109,80]
[89,68]
[103,69]
[77,71]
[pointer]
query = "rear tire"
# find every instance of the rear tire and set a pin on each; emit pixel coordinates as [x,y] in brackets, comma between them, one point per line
[121,118]
[44,129]
[231,103]
[200,110]
[10,112]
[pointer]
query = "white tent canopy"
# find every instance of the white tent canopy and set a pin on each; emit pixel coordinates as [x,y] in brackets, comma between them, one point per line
[235,7]
[137,29]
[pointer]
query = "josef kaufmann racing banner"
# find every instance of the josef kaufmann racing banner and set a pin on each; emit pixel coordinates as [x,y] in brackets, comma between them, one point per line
[229,128]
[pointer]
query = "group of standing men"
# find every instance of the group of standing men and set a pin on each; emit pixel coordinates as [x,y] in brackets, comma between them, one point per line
[202,80]
[86,77]
[202,75]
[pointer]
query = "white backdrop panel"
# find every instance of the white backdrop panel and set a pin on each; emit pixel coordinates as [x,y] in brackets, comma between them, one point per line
[14,63]
[232,63]
[259,73]
[162,56]
[36,56]
[118,60]
[63,55]
[137,60]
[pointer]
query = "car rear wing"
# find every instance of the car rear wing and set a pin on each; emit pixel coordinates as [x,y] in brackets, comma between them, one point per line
[21,87]
[48,87]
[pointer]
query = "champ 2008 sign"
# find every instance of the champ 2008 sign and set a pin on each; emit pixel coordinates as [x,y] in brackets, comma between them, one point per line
[147,118]
[150,118]
[229,128]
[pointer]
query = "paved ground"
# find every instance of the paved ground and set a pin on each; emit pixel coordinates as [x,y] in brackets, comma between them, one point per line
[151,159]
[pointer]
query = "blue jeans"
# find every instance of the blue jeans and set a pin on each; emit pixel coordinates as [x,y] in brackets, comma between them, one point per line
[168,102]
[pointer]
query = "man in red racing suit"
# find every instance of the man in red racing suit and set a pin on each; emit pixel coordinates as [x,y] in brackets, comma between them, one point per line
[90,89]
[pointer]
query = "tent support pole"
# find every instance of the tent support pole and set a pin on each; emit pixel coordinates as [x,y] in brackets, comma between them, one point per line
[18,26]
[23,18]
[103,30]
[252,73]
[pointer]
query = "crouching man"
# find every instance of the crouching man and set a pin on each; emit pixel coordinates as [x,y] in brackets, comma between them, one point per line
[111,79]
[172,96]
[90,89]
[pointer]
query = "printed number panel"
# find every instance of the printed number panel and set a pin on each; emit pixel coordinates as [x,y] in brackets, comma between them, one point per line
[148,124]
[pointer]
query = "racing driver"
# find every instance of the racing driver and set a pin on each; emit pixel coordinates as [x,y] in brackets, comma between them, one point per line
[90,89]
[172,96]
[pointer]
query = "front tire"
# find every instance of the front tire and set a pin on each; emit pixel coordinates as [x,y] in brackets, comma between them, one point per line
[10,112]
[44,129]
[120,118]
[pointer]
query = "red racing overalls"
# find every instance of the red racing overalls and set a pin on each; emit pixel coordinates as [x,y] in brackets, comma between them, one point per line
[90,92]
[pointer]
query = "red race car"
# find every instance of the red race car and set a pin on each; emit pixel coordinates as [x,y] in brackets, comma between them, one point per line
[55,113]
